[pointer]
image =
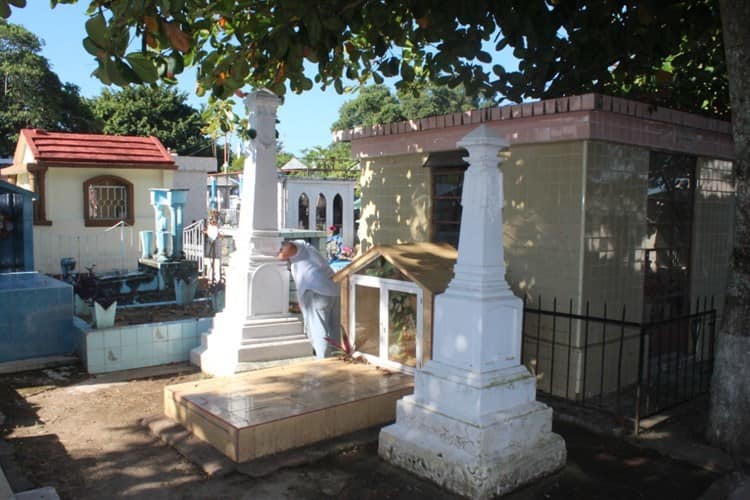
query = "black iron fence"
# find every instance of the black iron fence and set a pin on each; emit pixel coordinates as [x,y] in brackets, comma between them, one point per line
[628,368]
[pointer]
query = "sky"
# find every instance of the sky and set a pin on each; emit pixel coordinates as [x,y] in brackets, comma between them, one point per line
[305,120]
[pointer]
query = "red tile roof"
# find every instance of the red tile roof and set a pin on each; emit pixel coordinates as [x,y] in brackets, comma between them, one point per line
[56,148]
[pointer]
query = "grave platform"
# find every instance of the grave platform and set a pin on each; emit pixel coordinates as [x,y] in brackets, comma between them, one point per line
[258,413]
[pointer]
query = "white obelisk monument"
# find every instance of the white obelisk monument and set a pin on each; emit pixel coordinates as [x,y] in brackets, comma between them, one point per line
[256,324]
[473,424]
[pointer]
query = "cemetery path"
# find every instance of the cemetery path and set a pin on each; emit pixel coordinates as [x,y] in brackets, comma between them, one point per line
[80,435]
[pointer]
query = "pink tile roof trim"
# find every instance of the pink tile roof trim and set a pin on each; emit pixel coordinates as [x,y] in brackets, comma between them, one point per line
[548,108]
[51,148]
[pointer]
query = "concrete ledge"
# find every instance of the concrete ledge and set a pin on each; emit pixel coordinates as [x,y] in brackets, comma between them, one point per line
[46,493]
[215,464]
[24,365]
[202,454]
[5,491]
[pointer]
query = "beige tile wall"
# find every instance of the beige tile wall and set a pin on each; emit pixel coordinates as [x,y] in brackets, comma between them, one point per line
[615,228]
[614,234]
[713,230]
[396,203]
[542,216]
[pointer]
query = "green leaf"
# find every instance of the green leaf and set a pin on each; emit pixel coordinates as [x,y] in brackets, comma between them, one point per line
[389,67]
[407,72]
[143,66]
[114,73]
[175,64]
[101,74]
[18,3]
[91,47]
[313,28]
[484,57]
[96,28]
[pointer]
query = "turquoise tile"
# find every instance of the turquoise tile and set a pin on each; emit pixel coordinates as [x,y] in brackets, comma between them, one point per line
[94,357]
[189,343]
[97,368]
[113,366]
[94,340]
[144,335]
[174,331]
[189,328]
[112,354]
[129,353]
[129,336]
[112,338]
[145,352]
[160,333]
[161,352]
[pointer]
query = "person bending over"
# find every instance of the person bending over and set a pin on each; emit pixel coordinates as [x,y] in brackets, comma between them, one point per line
[317,294]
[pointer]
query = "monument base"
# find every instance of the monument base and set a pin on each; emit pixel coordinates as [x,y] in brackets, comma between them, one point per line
[478,456]
[231,348]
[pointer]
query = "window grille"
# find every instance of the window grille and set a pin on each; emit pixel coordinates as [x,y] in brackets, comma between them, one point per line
[108,202]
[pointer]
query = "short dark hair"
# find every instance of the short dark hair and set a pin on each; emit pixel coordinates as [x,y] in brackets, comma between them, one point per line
[284,244]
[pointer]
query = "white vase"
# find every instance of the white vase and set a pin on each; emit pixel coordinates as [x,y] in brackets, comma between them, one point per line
[184,291]
[105,317]
[81,308]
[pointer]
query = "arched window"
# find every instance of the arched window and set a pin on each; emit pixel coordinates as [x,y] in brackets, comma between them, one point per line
[303,212]
[107,199]
[320,213]
[338,211]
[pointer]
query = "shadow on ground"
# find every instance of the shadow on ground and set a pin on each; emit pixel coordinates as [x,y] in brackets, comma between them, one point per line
[83,438]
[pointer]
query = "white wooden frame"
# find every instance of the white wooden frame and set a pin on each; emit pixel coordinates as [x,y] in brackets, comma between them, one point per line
[385,285]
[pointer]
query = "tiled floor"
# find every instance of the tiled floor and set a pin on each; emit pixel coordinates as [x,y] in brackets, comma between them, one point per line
[266,411]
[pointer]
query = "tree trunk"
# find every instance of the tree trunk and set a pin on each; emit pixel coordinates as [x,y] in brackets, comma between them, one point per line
[729,416]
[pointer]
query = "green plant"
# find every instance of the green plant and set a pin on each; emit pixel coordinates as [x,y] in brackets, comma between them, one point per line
[344,347]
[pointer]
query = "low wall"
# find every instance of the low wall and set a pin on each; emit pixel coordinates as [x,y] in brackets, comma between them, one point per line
[137,346]
[36,316]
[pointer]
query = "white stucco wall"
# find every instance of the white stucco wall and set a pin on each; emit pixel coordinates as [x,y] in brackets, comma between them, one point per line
[68,236]
[192,175]
[291,188]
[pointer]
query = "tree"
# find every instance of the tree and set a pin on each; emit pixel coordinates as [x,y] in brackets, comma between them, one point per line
[334,160]
[672,48]
[31,94]
[729,419]
[433,100]
[158,111]
[375,104]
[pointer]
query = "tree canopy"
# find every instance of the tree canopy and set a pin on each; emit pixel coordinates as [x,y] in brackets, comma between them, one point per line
[376,104]
[159,111]
[664,50]
[31,94]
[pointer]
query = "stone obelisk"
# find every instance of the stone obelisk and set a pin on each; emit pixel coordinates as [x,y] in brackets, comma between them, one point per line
[256,324]
[473,424]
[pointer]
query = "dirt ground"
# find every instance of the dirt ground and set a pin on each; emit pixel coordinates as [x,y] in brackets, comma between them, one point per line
[80,434]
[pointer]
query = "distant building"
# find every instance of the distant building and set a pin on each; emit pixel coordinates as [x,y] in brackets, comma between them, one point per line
[84,184]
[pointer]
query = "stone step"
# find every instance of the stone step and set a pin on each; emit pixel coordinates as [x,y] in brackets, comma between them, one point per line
[284,347]
[268,329]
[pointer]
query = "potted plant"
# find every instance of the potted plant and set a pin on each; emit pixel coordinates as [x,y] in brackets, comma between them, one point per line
[84,291]
[185,284]
[91,300]
[105,310]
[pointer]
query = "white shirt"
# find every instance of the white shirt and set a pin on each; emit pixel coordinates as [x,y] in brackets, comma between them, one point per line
[311,272]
